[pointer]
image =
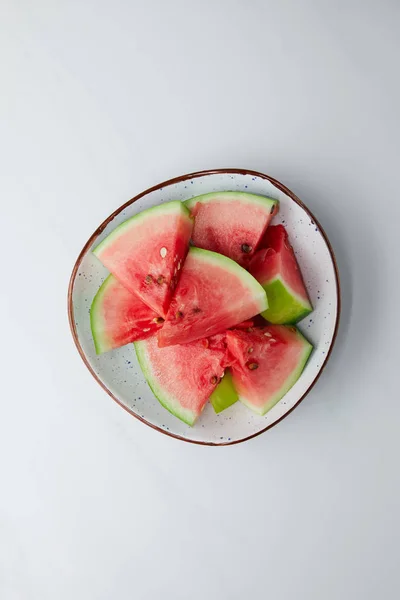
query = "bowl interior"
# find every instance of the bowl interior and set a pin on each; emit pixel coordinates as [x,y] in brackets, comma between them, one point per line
[118,370]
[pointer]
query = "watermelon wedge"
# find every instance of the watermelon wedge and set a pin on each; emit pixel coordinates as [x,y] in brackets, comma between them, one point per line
[118,317]
[231,223]
[213,294]
[182,377]
[276,268]
[267,363]
[146,252]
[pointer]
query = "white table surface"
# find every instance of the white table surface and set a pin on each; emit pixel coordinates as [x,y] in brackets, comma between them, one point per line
[98,101]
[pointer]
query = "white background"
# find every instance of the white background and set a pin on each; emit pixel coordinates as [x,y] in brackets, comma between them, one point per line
[98,101]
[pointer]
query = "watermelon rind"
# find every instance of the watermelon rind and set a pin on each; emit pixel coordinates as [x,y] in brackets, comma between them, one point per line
[223,262]
[169,402]
[167,208]
[224,394]
[284,305]
[101,342]
[263,201]
[289,383]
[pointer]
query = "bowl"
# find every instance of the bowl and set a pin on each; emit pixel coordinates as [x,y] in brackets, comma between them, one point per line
[118,372]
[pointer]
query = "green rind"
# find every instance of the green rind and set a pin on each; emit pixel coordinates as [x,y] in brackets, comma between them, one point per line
[99,338]
[231,266]
[285,307]
[136,220]
[289,383]
[245,197]
[224,394]
[185,415]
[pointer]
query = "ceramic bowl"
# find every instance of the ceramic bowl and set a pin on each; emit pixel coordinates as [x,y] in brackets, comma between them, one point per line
[118,372]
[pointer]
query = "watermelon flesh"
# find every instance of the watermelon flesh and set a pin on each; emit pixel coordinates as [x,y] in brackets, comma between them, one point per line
[245,325]
[267,362]
[183,377]
[118,317]
[231,223]
[213,294]
[146,252]
[276,268]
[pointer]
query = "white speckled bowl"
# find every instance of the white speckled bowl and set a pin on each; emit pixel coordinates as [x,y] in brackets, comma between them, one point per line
[118,371]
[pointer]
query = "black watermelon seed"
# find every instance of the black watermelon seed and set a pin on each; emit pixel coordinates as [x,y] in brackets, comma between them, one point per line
[252,366]
[179,314]
[148,279]
[159,320]
[197,309]
[246,248]
[160,279]
[214,379]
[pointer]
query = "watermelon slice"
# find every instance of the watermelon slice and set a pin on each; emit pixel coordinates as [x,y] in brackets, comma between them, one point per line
[213,294]
[276,268]
[182,377]
[147,251]
[224,394]
[231,223]
[268,362]
[118,317]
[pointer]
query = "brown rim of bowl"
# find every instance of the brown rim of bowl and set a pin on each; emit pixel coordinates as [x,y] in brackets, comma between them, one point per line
[89,243]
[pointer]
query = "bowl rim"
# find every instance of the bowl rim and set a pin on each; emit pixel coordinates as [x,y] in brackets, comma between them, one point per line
[163,184]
